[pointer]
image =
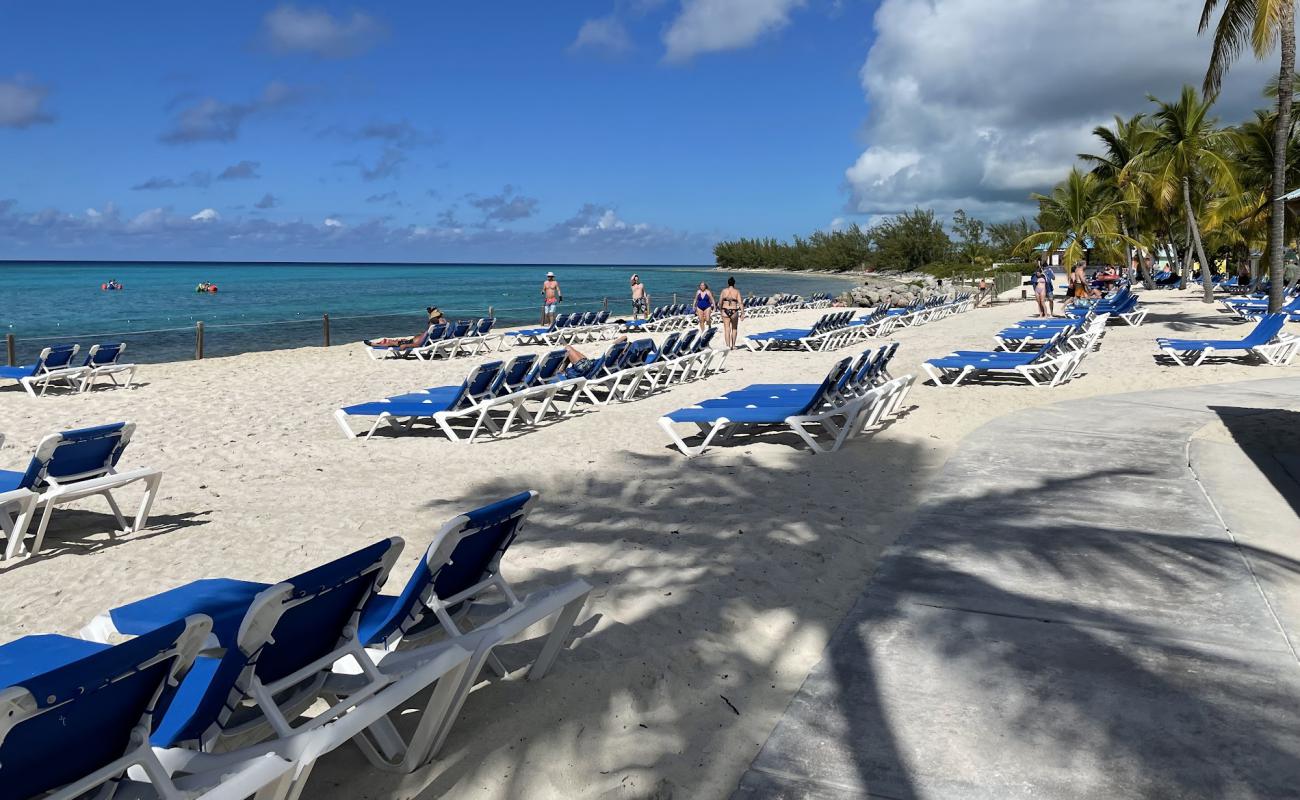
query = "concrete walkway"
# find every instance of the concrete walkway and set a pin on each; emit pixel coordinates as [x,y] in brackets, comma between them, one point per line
[1069,616]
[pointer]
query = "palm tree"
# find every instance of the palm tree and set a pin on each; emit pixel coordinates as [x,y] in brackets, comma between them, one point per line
[1080,213]
[1243,217]
[1188,148]
[1128,141]
[1265,23]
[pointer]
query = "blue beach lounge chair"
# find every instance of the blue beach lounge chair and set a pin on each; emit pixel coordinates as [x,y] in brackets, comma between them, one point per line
[275,651]
[105,361]
[78,715]
[1265,341]
[76,464]
[1050,365]
[401,412]
[796,410]
[53,366]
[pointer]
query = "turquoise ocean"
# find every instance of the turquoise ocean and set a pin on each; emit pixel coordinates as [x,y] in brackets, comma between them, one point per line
[274,306]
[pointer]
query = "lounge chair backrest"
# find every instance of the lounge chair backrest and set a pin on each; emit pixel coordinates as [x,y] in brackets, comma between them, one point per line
[485,325]
[614,355]
[514,376]
[479,383]
[287,627]
[462,329]
[833,381]
[602,317]
[103,355]
[703,342]
[436,332]
[864,367]
[669,348]
[1269,326]
[463,556]
[61,725]
[687,343]
[55,357]
[546,367]
[77,455]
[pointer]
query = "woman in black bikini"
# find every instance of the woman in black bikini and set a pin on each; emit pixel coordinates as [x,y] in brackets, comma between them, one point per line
[703,306]
[730,303]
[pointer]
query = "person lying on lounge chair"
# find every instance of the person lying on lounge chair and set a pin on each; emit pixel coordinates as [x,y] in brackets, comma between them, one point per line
[402,342]
[578,362]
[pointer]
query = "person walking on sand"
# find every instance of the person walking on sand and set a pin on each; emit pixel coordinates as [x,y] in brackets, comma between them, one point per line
[731,304]
[640,300]
[704,306]
[551,298]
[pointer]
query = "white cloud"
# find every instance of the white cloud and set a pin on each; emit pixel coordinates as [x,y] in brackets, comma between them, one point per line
[22,103]
[975,104]
[206,215]
[603,34]
[289,29]
[706,26]
[333,222]
[146,221]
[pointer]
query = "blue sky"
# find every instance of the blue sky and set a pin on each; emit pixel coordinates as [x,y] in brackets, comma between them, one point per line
[428,131]
[608,131]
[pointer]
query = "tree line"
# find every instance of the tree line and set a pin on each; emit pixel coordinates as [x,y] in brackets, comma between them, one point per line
[912,240]
[1175,182]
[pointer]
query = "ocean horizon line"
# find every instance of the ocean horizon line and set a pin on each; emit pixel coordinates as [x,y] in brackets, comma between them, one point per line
[225,263]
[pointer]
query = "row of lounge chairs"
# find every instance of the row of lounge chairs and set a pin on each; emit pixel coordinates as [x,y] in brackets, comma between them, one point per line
[1266,342]
[1252,308]
[840,328]
[56,367]
[1121,305]
[443,340]
[228,688]
[1040,352]
[855,396]
[68,466]
[530,389]
[566,329]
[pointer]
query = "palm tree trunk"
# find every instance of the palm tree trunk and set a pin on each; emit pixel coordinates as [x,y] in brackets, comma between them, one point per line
[1128,248]
[1281,134]
[1196,239]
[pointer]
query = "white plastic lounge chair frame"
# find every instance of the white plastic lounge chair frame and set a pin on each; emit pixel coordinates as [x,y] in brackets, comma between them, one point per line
[96,482]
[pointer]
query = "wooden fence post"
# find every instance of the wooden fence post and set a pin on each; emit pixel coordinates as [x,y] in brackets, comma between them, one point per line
[198,340]
[9,349]
[325,323]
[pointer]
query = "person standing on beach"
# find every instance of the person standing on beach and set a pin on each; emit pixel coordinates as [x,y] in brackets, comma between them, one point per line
[640,300]
[1049,277]
[704,306]
[731,304]
[1039,282]
[551,298]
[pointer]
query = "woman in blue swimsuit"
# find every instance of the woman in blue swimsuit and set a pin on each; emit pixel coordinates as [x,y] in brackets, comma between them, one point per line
[703,306]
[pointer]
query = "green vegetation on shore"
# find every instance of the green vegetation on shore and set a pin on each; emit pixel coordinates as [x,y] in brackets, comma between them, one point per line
[913,240]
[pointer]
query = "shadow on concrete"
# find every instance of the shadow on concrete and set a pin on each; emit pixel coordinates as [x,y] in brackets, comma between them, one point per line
[1012,648]
[1271,438]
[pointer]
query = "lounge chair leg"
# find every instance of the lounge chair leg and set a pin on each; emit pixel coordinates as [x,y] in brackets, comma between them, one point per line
[40,529]
[146,503]
[559,632]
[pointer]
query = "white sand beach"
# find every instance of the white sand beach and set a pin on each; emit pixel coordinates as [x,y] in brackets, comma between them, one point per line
[717,580]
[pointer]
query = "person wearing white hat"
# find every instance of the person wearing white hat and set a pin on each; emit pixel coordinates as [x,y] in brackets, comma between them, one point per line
[551,297]
[640,299]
